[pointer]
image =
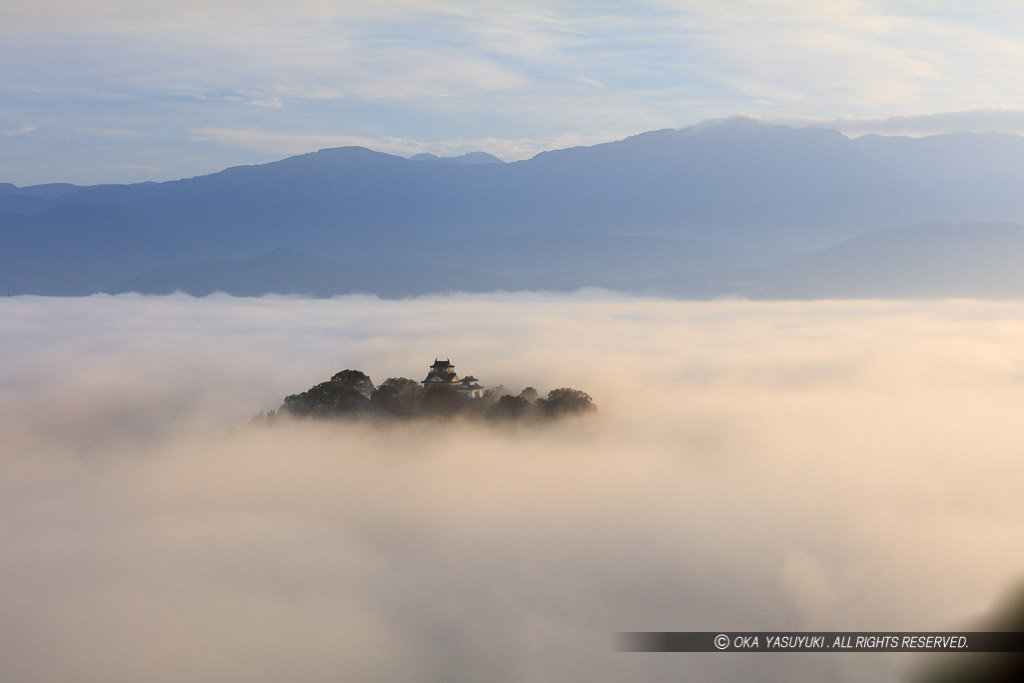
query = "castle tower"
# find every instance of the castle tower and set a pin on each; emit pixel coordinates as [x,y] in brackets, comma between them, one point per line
[470,387]
[442,374]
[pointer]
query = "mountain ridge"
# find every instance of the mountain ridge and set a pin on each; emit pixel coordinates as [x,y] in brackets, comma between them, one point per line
[736,194]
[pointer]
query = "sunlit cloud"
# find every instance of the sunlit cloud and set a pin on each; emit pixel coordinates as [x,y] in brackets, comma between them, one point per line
[976,121]
[286,143]
[266,102]
[297,143]
[24,130]
[135,167]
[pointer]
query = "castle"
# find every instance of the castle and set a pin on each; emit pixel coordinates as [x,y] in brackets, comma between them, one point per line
[442,374]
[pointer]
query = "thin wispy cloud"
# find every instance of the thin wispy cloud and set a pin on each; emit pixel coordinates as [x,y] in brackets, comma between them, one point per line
[278,143]
[24,130]
[289,143]
[977,121]
[135,167]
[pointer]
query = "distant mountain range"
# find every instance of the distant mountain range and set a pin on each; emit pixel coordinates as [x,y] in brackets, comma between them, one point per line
[731,207]
[464,160]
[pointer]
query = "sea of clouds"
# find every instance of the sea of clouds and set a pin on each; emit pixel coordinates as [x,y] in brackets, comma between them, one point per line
[790,466]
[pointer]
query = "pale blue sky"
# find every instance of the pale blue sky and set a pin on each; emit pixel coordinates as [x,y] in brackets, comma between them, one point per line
[126,90]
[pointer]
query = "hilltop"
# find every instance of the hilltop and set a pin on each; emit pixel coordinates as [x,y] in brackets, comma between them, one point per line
[352,394]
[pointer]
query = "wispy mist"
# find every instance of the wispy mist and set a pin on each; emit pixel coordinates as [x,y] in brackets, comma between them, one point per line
[791,466]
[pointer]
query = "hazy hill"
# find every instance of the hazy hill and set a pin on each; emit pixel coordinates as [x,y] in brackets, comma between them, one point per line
[933,260]
[715,197]
[287,272]
[982,260]
[77,249]
[465,159]
[20,203]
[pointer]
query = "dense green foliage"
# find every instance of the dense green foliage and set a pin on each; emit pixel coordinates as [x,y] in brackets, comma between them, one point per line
[351,393]
[565,401]
[326,399]
[354,379]
[397,396]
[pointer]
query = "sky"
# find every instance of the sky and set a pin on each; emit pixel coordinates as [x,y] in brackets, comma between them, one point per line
[752,466]
[128,90]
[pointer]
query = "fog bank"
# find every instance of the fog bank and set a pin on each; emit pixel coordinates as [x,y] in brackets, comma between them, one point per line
[789,466]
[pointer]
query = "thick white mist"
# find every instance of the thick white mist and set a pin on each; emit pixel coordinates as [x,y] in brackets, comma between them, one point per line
[792,466]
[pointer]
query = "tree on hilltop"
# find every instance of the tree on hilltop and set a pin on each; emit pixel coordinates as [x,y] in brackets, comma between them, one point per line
[510,408]
[397,396]
[443,402]
[566,401]
[327,399]
[355,379]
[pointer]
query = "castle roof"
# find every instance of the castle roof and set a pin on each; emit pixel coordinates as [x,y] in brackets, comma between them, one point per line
[441,378]
[441,372]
